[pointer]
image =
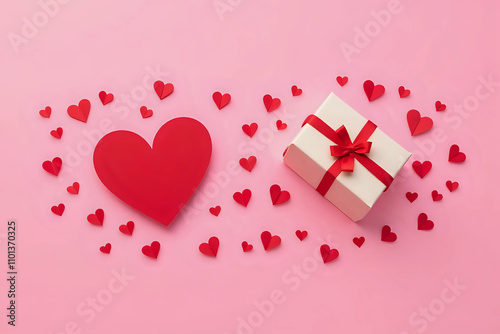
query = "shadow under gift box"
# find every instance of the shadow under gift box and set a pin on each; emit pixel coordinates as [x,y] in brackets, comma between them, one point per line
[309,155]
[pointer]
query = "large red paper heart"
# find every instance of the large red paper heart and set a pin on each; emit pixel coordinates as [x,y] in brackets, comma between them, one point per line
[418,124]
[152,251]
[156,181]
[269,241]
[278,196]
[424,223]
[271,103]
[163,90]
[373,91]
[328,254]
[455,154]
[387,235]
[221,100]
[211,247]
[421,168]
[81,111]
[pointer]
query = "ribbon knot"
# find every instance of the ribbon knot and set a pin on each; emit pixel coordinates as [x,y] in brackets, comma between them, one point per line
[346,150]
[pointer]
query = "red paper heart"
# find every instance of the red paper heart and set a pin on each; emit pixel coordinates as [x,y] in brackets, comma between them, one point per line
[280,125]
[249,163]
[81,111]
[342,80]
[58,210]
[403,92]
[106,249]
[418,124]
[387,235]
[296,91]
[45,112]
[359,241]
[152,251]
[424,223]
[269,241]
[440,106]
[156,181]
[246,246]
[53,167]
[74,189]
[215,210]
[221,100]
[242,197]
[163,90]
[301,234]
[211,247]
[57,133]
[96,218]
[373,92]
[328,254]
[411,196]
[105,97]
[452,186]
[250,129]
[422,168]
[270,103]
[145,112]
[455,154]
[278,196]
[436,196]
[128,228]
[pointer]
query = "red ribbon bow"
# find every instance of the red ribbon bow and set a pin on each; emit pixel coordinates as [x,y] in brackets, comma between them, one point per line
[346,150]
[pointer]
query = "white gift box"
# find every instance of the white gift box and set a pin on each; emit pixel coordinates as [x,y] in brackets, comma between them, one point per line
[353,192]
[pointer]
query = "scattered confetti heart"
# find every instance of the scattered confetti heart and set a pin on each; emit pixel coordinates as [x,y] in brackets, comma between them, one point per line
[53,167]
[422,168]
[246,246]
[271,103]
[145,112]
[301,234]
[418,124]
[58,209]
[387,235]
[106,249]
[328,254]
[128,228]
[278,196]
[242,197]
[74,188]
[215,210]
[211,247]
[57,133]
[221,100]
[342,80]
[411,196]
[455,154]
[163,90]
[269,241]
[436,196]
[81,111]
[359,241]
[280,125]
[373,91]
[296,91]
[424,223]
[45,112]
[249,163]
[440,106]
[452,186]
[250,129]
[96,218]
[152,251]
[403,92]
[105,97]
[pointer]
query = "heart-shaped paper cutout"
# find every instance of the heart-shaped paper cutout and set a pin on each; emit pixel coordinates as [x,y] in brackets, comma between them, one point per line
[58,209]
[210,248]
[269,241]
[403,92]
[278,196]
[242,197]
[328,254]
[53,167]
[373,91]
[96,218]
[74,188]
[452,186]
[163,90]
[271,103]
[440,106]
[436,196]
[145,112]
[422,168]
[105,249]
[301,234]
[246,246]
[249,163]
[250,130]
[128,228]
[221,100]
[45,112]
[215,210]
[455,154]
[342,80]
[57,133]
[296,91]
[418,124]
[424,223]
[387,235]
[81,111]
[411,196]
[280,125]
[105,97]
[359,241]
[152,251]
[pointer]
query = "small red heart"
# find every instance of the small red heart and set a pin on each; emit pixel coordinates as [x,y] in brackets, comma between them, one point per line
[211,247]
[455,154]
[145,112]
[422,168]
[96,218]
[250,129]
[424,223]
[301,234]
[436,196]
[411,196]
[152,251]
[45,112]
[106,249]
[387,235]
[342,80]
[270,241]
[296,91]
[215,210]
[128,228]
[242,197]
[57,133]
[221,100]
[373,92]
[58,210]
[270,103]
[246,246]
[81,111]
[359,241]
[452,186]
[280,125]
[53,167]
[328,254]
[74,189]
[105,97]
[418,124]
[249,163]
[403,92]
[278,196]
[163,90]
[440,106]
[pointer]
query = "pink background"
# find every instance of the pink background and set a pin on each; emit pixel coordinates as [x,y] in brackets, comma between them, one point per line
[440,50]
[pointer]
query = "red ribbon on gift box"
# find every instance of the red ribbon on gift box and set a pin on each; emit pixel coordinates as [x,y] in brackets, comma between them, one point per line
[346,151]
